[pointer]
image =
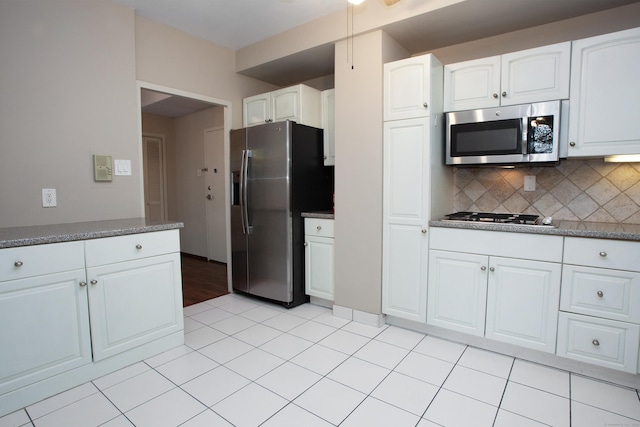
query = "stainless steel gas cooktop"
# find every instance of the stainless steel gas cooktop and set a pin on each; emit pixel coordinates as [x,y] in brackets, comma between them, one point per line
[499,218]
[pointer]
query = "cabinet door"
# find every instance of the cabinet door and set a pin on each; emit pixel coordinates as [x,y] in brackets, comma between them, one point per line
[319,266]
[604,104]
[522,302]
[285,104]
[407,88]
[256,110]
[472,84]
[45,328]
[535,75]
[328,125]
[134,302]
[405,218]
[457,291]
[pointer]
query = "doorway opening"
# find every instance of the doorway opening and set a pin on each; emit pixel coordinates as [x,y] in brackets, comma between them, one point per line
[184,152]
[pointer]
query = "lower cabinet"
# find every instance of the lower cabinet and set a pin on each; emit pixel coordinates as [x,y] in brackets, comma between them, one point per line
[67,309]
[318,257]
[485,293]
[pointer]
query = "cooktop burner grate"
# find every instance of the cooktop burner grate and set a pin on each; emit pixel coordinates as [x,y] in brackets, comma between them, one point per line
[503,218]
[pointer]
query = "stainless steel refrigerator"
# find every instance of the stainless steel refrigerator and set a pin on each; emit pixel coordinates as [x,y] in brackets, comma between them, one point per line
[277,173]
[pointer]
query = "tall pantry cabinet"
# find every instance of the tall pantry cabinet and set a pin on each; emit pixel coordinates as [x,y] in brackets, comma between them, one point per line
[413,168]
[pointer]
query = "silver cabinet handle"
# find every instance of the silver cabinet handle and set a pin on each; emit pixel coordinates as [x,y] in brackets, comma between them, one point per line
[492,269]
[600,294]
[18,263]
[306,244]
[483,268]
[603,254]
[425,105]
[504,94]
[83,283]
[94,282]
[595,342]
[573,144]
[138,247]
[495,95]
[424,231]
[319,227]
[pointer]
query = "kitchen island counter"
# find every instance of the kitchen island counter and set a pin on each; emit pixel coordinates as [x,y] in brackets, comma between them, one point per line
[598,230]
[55,233]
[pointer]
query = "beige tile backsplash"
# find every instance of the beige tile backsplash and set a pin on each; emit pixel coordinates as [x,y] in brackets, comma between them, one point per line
[577,190]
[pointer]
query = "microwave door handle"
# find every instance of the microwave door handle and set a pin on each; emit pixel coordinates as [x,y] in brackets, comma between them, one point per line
[525,135]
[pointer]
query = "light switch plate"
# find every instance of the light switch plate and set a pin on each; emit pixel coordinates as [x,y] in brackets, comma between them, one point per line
[530,183]
[122,167]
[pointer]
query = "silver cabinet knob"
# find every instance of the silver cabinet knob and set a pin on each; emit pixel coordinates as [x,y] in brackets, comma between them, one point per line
[573,144]
[483,268]
[319,228]
[424,231]
[492,269]
[18,263]
[94,282]
[306,244]
[425,105]
[495,95]
[595,342]
[138,247]
[504,94]
[603,254]
[325,157]
[209,197]
[600,294]
[83,284]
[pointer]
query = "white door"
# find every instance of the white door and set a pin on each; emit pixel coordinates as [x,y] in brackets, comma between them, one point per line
[215,195]
[472,84]
[522,302]
[457,291]
[407,89]
[405,218]
[256,109]
[154,178]
[318,256]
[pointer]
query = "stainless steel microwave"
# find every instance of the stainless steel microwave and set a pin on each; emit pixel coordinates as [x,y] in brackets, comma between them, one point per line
[510,135]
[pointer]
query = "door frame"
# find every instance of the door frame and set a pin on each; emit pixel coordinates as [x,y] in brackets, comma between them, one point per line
[140,84]
[225,167]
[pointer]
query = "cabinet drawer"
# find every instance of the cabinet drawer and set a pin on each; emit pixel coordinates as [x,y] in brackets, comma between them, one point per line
[110,250]
[318,227]
[602,253]
[601,292]
[599,341]
[29,261]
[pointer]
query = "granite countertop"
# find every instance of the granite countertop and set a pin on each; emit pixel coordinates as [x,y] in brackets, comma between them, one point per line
[600,230]
[56,233]
[321,214]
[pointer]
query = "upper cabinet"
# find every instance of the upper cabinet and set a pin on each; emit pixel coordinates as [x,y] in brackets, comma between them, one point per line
[299,103]
[408,92]
[533,75]
[604,105]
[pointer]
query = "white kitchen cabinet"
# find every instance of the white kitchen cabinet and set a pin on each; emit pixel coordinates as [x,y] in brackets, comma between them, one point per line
[522,302]
[600,313]
[136,301]
[457,291]
[604,104]
[300,103]
[491,284]
[416,184]
[408,92]
[318,253]
[328,126]
[43,313]
[532,75]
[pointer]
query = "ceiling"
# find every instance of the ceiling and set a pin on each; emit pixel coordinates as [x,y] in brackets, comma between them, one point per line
[238,23]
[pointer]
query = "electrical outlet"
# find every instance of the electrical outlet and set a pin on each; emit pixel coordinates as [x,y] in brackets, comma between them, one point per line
[49,199]
[530,183]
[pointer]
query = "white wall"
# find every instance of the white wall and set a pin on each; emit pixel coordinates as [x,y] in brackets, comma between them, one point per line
[67,91]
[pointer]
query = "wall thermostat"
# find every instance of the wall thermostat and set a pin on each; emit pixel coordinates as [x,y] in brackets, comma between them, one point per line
[102,168]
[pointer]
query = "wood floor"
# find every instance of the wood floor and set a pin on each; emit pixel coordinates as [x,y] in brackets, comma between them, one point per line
[202,279]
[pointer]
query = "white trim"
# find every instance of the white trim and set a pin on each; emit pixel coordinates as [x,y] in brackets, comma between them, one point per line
[162,138]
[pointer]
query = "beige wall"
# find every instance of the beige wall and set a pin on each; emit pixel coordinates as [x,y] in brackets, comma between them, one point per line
[67,91]
[172,58]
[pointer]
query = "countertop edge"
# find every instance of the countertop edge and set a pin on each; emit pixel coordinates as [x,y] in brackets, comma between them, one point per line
[321,215]
[594,230]
[69,232]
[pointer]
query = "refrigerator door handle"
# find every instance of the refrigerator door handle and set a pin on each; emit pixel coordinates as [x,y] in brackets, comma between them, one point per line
[244,209]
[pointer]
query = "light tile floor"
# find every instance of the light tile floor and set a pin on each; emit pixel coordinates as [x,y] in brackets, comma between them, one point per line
[250,363]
